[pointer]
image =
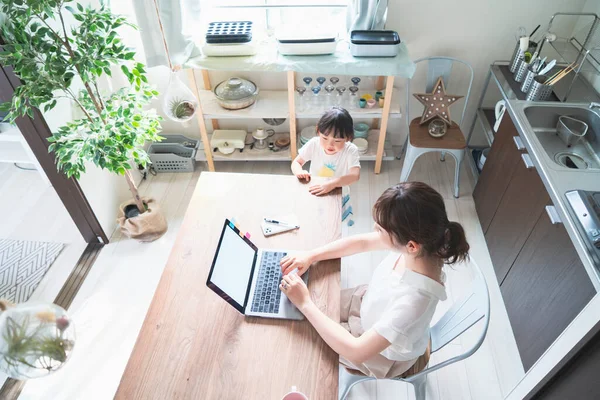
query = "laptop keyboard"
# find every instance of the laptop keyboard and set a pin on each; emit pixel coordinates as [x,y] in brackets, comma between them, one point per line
[267,294]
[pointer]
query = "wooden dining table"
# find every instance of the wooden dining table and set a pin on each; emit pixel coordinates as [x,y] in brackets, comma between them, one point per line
[194,345]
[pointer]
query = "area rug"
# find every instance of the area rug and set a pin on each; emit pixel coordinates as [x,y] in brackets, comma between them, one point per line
[23,264]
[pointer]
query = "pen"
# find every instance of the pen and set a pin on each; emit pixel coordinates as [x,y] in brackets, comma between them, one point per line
[272,221]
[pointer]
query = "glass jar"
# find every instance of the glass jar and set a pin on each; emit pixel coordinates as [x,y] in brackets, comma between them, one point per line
[437,128]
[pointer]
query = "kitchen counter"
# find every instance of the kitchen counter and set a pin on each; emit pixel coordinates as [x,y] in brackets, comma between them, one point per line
[557,180]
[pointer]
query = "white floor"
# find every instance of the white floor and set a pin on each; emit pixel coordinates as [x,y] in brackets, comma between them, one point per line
[31,210]
[111,305]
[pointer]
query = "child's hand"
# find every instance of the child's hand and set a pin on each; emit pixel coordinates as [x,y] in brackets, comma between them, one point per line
[320,190]
[300,261]
[295,289]
[303,176]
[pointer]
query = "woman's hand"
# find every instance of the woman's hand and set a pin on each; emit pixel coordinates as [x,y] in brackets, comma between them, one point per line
[320,190]
[300,261]
[295,289]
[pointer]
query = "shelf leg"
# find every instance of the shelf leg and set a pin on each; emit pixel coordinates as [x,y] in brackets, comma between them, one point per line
[389,89]
[207,86]
[201,122]
[291,86]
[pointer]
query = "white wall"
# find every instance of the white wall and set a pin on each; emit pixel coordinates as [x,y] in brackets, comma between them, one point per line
[477,31]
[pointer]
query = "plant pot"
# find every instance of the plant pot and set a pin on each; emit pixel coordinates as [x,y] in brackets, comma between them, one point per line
[145,227]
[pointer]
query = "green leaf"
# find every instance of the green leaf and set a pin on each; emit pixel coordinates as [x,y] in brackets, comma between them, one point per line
[71,10]
[79,7]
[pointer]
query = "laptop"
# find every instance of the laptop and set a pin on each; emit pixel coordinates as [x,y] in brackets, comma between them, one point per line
[248,278]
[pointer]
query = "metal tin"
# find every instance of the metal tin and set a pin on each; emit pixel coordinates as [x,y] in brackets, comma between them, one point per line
[517,56]
[521,71]
[538,90]
[528,79]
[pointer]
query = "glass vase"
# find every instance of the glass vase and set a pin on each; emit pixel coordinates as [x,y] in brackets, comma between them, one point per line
[179,103]
[36,340]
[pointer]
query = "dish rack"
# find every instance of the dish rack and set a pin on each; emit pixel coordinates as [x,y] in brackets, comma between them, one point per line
[581,47]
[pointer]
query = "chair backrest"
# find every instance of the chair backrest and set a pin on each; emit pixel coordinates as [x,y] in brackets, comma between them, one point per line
[461,316]
[436,67]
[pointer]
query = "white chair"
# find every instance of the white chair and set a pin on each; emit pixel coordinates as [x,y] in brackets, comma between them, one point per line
[463,315]
[419,141]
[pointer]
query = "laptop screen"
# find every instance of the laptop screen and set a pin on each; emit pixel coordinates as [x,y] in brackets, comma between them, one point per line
[233,266]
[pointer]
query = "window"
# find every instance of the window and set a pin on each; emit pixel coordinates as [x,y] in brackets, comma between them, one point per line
[272,15]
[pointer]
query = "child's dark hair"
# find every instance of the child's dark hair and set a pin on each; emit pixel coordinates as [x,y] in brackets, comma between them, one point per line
[336,121]
[414,211]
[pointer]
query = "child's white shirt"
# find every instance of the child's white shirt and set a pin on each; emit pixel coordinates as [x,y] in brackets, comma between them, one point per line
[329,166]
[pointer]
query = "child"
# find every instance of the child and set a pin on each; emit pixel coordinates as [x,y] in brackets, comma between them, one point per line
[331,154]
[386,323]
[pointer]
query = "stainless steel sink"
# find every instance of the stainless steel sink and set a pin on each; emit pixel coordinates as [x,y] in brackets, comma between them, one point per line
[584,155]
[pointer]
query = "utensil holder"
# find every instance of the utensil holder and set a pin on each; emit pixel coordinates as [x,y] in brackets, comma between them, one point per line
[528,79]
[538,91]
[521,71]
[517,56]
[570,129]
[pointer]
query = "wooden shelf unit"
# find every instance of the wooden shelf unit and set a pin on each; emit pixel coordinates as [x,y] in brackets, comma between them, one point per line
[282,104]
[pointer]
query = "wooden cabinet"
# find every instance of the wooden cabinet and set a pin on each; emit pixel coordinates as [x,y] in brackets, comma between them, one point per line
[545,290]
[497,171]
[543,282]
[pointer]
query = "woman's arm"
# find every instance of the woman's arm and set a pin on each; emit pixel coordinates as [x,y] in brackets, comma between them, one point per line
[338,249]
[355,349]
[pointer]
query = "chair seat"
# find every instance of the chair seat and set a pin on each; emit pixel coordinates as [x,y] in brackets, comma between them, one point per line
[420,137]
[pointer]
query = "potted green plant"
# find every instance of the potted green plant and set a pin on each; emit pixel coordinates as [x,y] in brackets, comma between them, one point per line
[55,60]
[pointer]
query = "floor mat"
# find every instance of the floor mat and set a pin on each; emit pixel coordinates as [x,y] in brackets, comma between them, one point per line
[23,264]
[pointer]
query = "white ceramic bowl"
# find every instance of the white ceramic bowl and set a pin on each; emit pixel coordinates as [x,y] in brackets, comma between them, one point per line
[361,144]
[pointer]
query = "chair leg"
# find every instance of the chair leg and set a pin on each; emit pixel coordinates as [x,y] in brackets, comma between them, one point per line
[419,386]
[443,156]
[412,153]
[347,380]
[458,157]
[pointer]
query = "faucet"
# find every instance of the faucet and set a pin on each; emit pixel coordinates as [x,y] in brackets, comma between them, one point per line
[594,104]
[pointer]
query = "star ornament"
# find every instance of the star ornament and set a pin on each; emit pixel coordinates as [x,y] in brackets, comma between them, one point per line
[437,104]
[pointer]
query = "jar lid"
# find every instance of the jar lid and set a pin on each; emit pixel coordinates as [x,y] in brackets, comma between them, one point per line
[235,89]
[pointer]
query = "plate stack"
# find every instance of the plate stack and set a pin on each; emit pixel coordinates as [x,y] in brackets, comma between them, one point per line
[306,134]
[362,145]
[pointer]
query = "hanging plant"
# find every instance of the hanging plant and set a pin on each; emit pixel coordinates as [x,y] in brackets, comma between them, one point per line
[179,103]
[51,59]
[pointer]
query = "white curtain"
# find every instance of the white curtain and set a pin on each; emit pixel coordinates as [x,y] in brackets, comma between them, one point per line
[177,18]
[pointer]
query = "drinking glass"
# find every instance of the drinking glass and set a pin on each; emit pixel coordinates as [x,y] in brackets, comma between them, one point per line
[340,95]
[301,90]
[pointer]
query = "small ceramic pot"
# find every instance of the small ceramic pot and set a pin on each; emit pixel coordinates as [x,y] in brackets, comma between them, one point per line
[378,95]
[371,103]
[362,103]
[381,101]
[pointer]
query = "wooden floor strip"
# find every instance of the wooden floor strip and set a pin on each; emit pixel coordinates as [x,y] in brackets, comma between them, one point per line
[12,388]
